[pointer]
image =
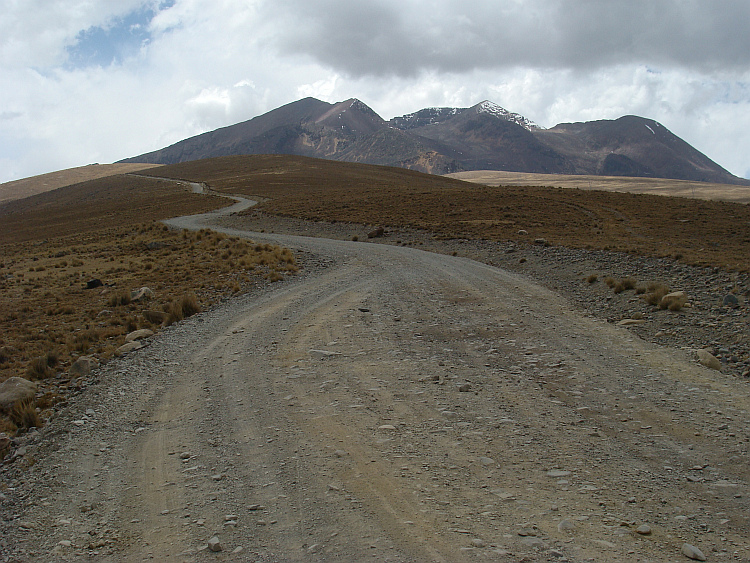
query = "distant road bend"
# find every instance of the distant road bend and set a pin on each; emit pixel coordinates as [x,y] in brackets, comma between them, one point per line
[390,404]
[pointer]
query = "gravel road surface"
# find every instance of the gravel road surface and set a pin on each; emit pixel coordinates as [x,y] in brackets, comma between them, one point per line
[390,404]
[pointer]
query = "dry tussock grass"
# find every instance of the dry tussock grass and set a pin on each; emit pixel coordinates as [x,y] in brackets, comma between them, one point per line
[24,415]
[48,318]
[655,292]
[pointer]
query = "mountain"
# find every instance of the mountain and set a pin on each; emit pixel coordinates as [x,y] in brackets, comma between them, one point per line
[487,137]
[632,146]
[442,140]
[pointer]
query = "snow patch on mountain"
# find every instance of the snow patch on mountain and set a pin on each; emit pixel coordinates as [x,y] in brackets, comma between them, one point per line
[492,108]
[426,116]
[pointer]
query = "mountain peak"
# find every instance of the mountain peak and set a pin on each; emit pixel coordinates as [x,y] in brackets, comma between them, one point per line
[500,112]
[353,116]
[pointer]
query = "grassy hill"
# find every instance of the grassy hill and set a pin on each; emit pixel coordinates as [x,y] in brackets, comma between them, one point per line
[700,232]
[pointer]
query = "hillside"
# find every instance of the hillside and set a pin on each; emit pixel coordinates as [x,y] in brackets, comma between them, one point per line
[26,187]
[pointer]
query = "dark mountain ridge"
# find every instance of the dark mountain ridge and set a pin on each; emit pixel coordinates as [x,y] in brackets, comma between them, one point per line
[443,140]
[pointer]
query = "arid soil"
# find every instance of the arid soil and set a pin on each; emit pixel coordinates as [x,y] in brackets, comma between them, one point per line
[390,404]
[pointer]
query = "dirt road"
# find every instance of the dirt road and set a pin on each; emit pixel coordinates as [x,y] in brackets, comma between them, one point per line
[392,405]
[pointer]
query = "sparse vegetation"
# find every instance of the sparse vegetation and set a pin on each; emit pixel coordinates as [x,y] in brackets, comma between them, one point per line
[41,367]
[655,292]
[121,297]
[673,301]
[624,284]
[49,318]
[642,224]
[24,415]
[182,308]
[53,243]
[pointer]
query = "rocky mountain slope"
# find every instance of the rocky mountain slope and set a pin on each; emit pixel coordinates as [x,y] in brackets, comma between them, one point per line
[445,140]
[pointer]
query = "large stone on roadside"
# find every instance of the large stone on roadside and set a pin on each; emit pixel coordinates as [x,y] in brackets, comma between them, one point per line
[139,334]
[214,544]
[16,389]
[707,359]
[674,301]
[83,366]
[128,347]
[692,552]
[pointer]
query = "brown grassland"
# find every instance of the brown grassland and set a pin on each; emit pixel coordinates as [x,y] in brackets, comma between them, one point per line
[696,231]
[51,244]
[54,243]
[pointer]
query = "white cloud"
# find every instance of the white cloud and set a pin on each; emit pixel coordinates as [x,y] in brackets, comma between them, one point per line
[35,33]
[207,64]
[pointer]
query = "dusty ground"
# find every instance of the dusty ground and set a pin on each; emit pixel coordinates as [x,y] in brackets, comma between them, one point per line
[390,405]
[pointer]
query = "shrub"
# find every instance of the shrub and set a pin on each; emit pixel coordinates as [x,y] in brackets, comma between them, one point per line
[122,297]
[592,278]
[41,367]
[624,284]
[655,293]
[610,281]
[24,415]
[182,308]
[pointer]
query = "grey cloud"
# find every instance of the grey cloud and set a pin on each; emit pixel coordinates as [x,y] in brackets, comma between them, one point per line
[403,38]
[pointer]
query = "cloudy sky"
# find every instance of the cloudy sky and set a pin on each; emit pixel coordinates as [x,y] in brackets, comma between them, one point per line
[85,81]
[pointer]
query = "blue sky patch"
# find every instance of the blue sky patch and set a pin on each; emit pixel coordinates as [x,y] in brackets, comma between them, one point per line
[120,38]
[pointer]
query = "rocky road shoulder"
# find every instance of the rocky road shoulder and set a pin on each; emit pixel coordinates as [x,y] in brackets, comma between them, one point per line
[717,317]
[397,406]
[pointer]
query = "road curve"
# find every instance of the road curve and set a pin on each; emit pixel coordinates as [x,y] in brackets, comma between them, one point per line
[395,405]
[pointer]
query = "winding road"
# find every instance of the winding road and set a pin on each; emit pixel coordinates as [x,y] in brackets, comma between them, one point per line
[390,404]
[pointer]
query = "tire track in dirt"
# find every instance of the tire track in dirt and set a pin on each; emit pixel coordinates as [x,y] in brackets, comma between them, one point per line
[401,406]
